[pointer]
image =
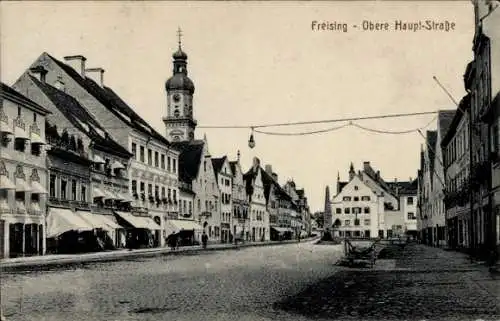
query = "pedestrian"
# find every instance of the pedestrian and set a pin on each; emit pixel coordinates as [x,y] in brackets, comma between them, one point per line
[204,239]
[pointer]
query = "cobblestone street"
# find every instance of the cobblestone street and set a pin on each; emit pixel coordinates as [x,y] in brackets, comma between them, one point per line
[417,283]
[225,285]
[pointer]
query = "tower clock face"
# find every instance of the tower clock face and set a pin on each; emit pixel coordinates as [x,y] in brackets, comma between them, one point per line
[177,97]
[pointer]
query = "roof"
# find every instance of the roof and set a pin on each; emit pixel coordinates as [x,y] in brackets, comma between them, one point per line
[11,94]
[217,163]
[463,106]
[81,119]
[431,145]
[233,167]
[368,170]
[341,186]
[445,118]
[108,98]
[189,159]
[404,187]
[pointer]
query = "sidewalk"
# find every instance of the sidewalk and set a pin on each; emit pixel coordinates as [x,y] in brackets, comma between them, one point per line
[21,263]
[414,283]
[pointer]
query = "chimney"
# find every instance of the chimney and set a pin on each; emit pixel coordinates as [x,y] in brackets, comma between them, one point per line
[269,169]
[96,74]
[377,174]
[275,176]
[77,62]
[39,72]
[256,164]
[366,166]
[238,156]
[59,84]
[395,180]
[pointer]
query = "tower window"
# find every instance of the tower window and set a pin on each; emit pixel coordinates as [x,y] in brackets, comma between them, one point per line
[176,113]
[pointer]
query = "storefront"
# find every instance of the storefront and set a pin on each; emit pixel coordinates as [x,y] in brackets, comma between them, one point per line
[141,231]
[188,231]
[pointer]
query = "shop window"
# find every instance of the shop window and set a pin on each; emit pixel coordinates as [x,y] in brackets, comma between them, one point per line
[19,145]
[36,149]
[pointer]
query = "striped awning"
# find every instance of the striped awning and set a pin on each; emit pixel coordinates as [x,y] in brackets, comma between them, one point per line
[37,188]
[20,133]
[97,192]
[22,186]
[61,220]
[36,139]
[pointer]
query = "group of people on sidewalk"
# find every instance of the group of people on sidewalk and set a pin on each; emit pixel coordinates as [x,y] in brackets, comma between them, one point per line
[173,240]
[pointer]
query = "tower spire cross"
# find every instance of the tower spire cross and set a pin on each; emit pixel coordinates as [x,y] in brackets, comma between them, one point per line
[179,36]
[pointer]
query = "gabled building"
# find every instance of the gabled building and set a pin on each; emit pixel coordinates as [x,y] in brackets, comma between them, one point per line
[241,227]
[76,134]
[455,146]
[406,192]
[296,215]
[223,176]
[259,218]
[23,175]
[432,209]
[150,173]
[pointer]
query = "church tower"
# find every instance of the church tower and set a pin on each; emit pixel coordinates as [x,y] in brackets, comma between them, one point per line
[179,121]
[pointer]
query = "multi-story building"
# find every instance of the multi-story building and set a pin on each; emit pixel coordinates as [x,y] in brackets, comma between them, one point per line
[195,159]
[259,218]
[356,209]
[82,134]
[295,209]
[241,206]
[305,212]
[149,171]
[223,176]
[455,146]
[491,113]
[406,192]
[431,204]
[483,81]
[23,175]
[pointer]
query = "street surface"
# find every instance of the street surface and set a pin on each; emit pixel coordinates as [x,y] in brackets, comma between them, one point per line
[292,282]
[226,285]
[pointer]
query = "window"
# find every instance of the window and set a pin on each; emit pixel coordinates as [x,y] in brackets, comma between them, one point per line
[150,189]
[35,149]
[356,187]
[141,154]
[73,189]
[134,187]
[346,199]
[163,192]
[52,185]
[34,117]
[168,163]
[174,165]
[157,160]
[356,199]
[411,216]
[18,111]
[162,161]
[347,210]
[190,207]
[366,210]
[347,222]
[157,191]
[205,166]
[142,187]
[150,157]
[338,210]
[410,200]
[83,193]
[356,210]
[134,150]
[20,145]
[356,222]
[199,205]
[367,222]
[63,188]
[174,195]
[365,198]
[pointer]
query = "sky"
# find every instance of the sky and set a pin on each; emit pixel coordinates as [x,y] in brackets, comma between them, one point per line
[261,62]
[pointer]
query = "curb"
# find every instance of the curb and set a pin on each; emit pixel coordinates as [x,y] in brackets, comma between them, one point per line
[113,257]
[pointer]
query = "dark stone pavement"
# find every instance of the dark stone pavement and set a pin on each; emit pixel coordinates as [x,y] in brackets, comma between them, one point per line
[415,283]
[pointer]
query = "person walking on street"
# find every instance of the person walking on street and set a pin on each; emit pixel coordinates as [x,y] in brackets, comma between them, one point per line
[204,239]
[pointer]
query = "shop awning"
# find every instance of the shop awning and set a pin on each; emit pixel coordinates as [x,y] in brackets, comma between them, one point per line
[97,192]
[108,195]
[20,133]
[90,218]
[6,183]
[124,198]
[117,165]
[108,220]
[98,159]
[152,225]
[22,186]
[182,225]
[281,229]
[61,220]
[135,221]
[6,128]
[37,188]
[36,139]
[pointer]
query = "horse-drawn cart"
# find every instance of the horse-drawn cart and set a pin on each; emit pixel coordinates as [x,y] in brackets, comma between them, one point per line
[356,254]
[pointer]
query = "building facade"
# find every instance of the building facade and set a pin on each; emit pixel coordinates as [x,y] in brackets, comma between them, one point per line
[23,174]
[259,218]
[223,176]
[147,173]
[241,206]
